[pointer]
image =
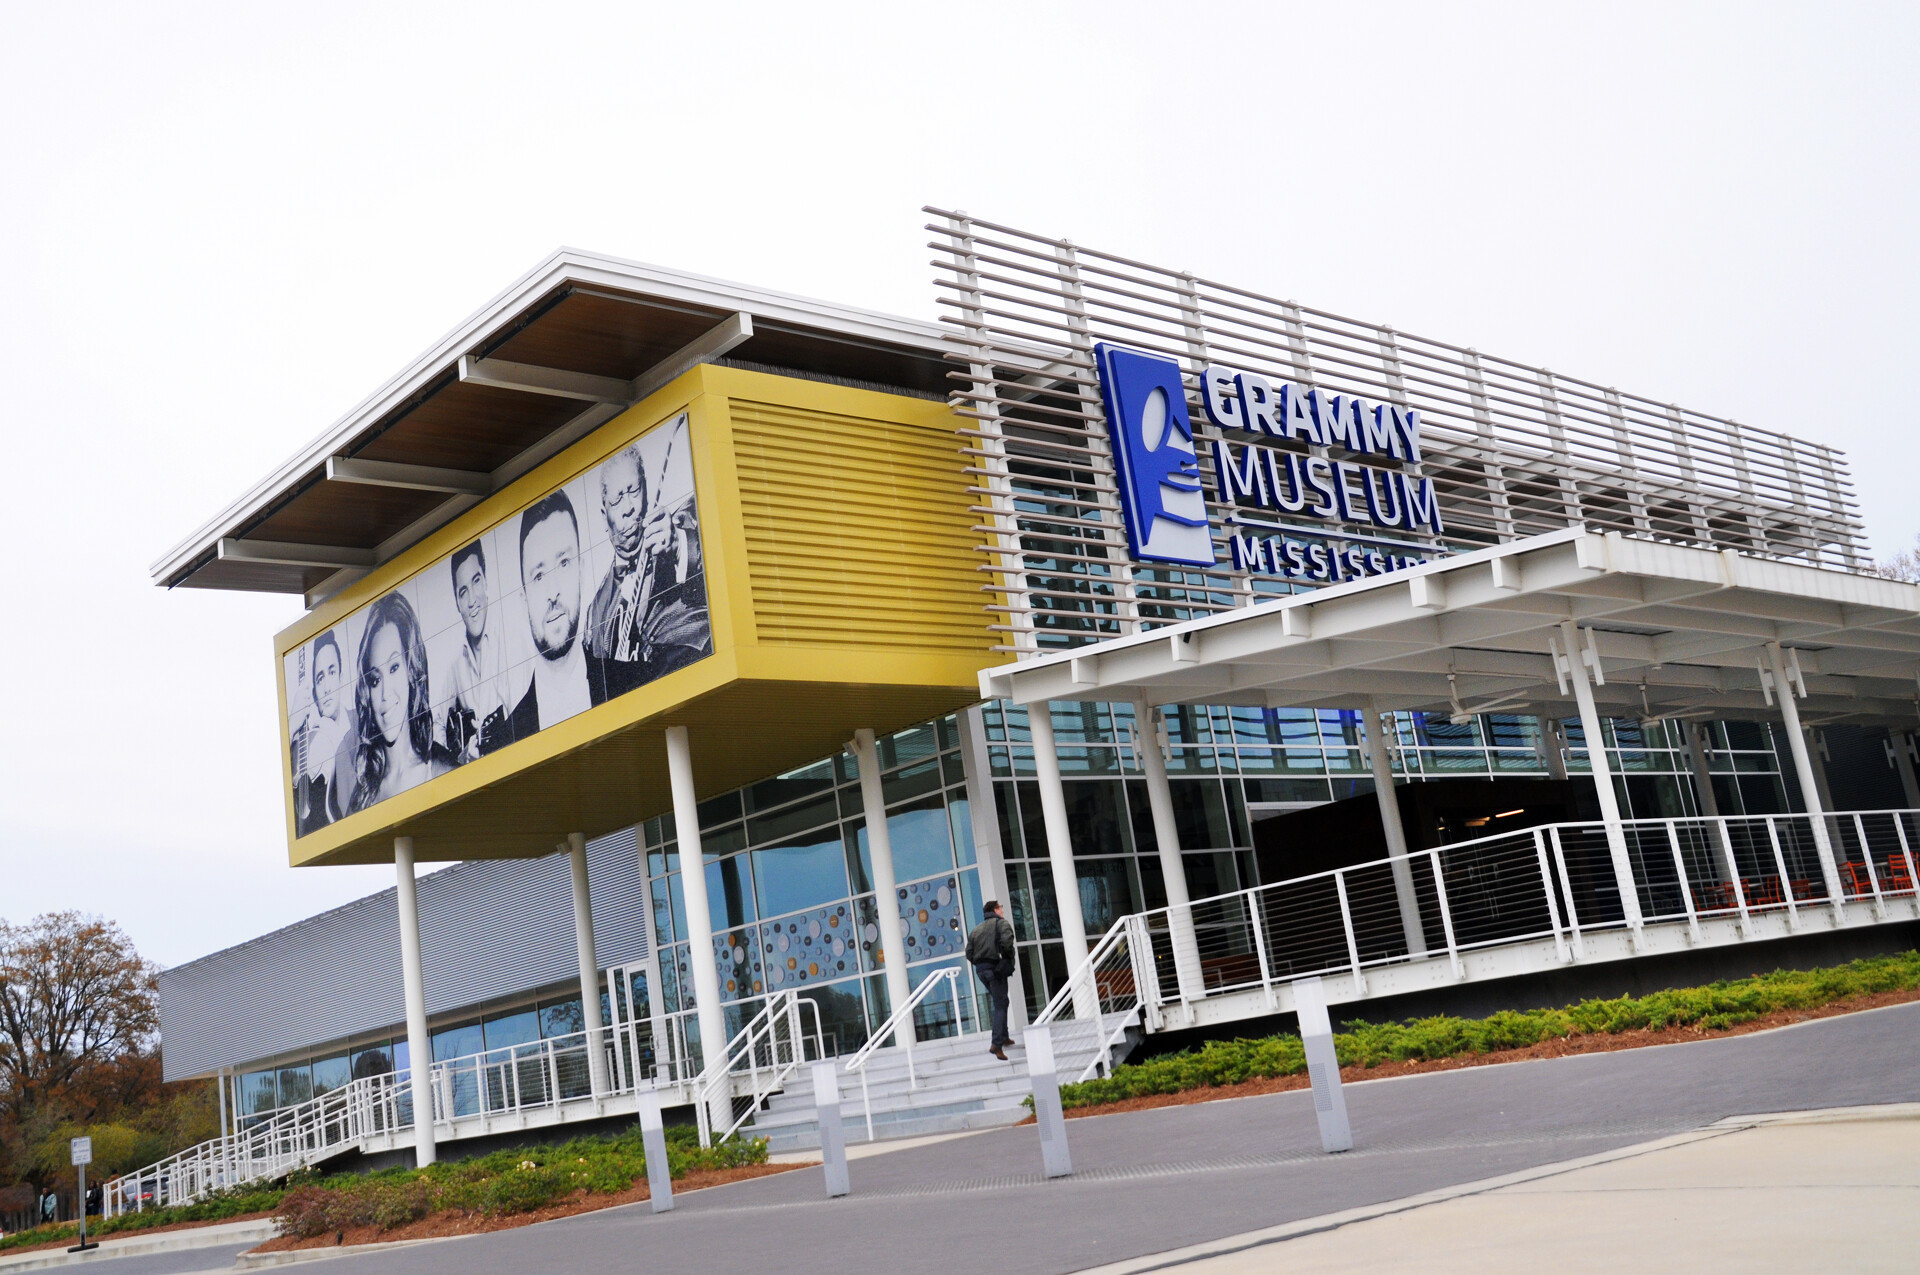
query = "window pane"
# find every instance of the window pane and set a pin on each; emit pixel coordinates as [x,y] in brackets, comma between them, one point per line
[801,874]
[960,815]
[922,845]
[1096,811]
[374,1060]
[457,1042]
[258,1092]
[791,786]
[517,1028]
[793,820]
[729,893]
[296,1085]
[332,1073]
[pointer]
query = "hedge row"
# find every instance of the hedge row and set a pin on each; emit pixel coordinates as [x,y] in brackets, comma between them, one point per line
[1713,1008]
[505,1182]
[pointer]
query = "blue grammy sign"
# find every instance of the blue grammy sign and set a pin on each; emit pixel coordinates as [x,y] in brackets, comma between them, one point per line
[1153,448]
[1270,471]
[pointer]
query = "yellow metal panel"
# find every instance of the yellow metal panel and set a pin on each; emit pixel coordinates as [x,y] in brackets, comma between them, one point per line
[857,529]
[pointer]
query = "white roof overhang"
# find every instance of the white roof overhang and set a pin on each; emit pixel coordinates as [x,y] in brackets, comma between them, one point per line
[1680,632]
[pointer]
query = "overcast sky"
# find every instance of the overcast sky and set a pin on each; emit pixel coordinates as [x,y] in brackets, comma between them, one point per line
[225,224]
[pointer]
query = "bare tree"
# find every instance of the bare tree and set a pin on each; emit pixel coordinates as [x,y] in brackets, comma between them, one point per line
[1902,566]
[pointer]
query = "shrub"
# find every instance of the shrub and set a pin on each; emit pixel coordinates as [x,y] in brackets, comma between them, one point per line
[1715,1007]
[517,1180]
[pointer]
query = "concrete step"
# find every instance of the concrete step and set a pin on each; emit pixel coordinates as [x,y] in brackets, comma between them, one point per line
[923,1102]
[892,1125]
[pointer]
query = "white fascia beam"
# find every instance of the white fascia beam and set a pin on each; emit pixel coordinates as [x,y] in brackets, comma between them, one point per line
[529,378]
[532,379]
[280,553]
[705,348]
[386,473]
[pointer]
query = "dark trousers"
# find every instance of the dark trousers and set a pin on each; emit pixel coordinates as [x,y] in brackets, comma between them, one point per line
[989,972]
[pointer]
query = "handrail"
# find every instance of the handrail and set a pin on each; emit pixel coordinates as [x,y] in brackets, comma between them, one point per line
[887,1030]
[1108,942]
[782,1006]
[1537,882]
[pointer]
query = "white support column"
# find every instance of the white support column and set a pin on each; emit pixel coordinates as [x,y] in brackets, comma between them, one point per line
[1166,836]
[1803,768]
[1411,927]
[886,886]
[1066,881]
[1702,771]
[1554,745]
[419,1044]
[1903,762]
[987,850]
[1578,674]
[1709,802]
[589,964]
[693,890]
[1817,754]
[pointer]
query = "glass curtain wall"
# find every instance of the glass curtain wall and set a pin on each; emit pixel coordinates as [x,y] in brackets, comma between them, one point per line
[790,889]
[1229,764]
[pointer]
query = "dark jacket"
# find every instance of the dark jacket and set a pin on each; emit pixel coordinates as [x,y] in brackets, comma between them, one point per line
[991,943]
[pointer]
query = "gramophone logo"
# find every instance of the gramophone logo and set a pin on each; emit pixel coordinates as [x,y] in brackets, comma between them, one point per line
[1160,492]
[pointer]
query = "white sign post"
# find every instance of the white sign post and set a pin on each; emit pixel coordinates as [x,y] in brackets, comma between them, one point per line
[80,1152]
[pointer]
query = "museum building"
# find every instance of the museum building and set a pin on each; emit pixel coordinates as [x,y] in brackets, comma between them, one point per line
[1162,610]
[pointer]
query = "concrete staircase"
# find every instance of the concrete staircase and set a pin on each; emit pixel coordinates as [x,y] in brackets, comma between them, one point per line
[960,1086]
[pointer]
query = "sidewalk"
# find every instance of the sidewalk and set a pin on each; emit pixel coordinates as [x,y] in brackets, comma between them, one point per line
[233,1236]
[1821,1190]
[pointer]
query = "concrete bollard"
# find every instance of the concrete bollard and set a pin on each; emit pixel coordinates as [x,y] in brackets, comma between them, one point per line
[653,1139]
[1046,1102]
[833,1139]
[1323,1065]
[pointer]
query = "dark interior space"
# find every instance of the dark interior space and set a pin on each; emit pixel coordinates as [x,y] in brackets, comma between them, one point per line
[1433,813]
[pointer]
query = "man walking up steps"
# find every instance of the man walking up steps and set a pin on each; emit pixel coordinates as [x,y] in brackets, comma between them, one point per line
[990,950]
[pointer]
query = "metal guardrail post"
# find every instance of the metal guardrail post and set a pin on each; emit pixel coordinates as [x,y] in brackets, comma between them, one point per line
[1723,831]
[1054,1155]
[1446,912]
[1780,865]
[1323,1065]
[1873,878]
[1906,853]
[833,1139]
[1686,886]
[1566,886]
[653,1142]
[1353,945]
[1553,904]
[1256,919]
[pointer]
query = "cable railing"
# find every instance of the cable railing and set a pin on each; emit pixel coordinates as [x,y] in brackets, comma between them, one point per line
[1560,883]
[769,1048]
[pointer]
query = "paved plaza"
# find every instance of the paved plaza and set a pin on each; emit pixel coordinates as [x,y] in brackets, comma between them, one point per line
[1160,1182]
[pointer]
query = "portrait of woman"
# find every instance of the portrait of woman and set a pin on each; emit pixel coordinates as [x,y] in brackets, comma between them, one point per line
[397,749]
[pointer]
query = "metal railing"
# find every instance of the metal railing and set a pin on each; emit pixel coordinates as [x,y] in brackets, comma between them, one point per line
[1555,882]
[887,1030]
[493,1083]
[1115,988]
[768,1049]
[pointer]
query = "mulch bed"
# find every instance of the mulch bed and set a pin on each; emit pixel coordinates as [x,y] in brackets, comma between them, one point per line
[1564,1047]
[449,1222]
[92,1236]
